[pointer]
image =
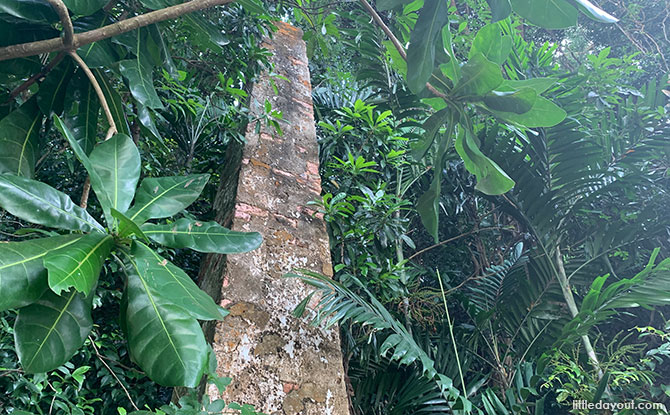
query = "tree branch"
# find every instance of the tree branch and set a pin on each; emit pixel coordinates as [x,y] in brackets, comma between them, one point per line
[98,91]
[85,38]
[64,15]
[52,64]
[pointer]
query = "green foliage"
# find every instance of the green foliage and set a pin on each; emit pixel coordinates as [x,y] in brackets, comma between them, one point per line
[60,321]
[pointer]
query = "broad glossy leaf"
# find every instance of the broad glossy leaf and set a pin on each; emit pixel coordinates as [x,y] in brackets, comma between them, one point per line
[140,82]
[19,140]
[492,44]
[127,226]
[202,237]
[172,284]
[115,103]
[40,203]
[596,13]
[83,108]
[164,339]
[117,162]
[428,205]
[51,95]
[165,56]
[145,117]
[550,14]
[423,43]
[205,36]
[543,114]
[491,179]
[78,265]
[383,5]
[49,332]
[85,7]
[479,77]
[518,102]
[33,10]
[500,9]
[431,127]
[97,183]
[162,197]
[23,278]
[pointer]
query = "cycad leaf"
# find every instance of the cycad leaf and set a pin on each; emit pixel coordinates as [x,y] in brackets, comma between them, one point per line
[172,284]
[49,332]
[163,197]
[19,140]
[117,162]
[164,339]
[40,203]
[203,237]
[78,265]
[23,278]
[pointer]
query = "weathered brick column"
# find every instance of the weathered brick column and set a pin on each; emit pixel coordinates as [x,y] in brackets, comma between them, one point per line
[278,363]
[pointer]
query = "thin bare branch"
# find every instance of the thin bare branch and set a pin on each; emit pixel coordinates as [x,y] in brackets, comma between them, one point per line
[41,74]
[85,38]
[100,357]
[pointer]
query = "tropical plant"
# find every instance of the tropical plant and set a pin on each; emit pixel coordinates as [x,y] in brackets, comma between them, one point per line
[52,280]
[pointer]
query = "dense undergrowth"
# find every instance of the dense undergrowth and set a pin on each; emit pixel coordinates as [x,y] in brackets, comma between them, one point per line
[486,261]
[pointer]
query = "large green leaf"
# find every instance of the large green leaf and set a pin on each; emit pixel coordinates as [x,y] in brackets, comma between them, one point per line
[85,7]
[140,82]
[117,162]
[550,14]
[34,10]
[540,85]
[40,203]
[162,197]
[97,183]
[19,140]
[51,95]
[23,278]
[431,127]
[164,339]
[479,77]
[82,115]
[500,9]
[172,284]
[383,5]
[491,179]
[423,43]
[128,227]
[115,103]
[50,331]
[79,264]
[544,113]
[492,44]
[596,13]
[203,237]
[518,102]
[205,35]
